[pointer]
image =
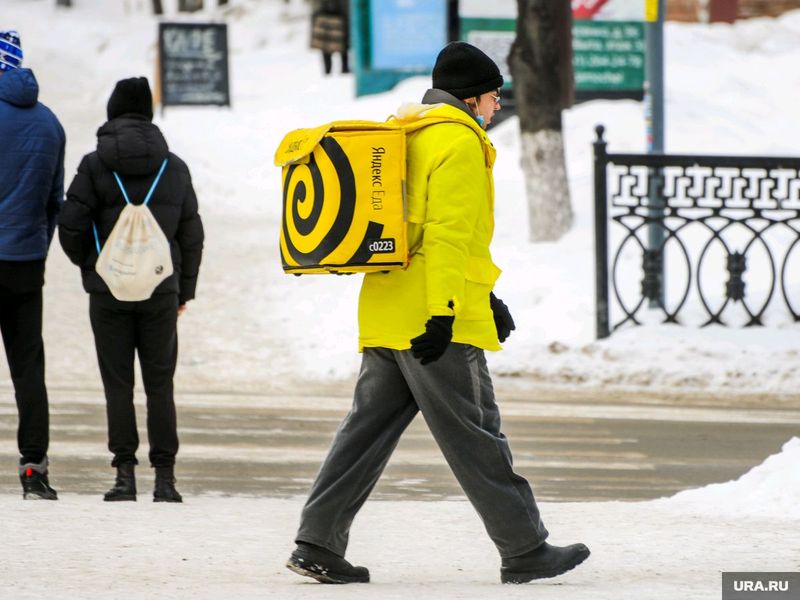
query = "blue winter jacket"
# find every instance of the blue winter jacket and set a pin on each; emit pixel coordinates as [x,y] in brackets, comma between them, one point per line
[31,169]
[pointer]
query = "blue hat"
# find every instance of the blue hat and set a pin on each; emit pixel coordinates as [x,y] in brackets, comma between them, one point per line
[10,50]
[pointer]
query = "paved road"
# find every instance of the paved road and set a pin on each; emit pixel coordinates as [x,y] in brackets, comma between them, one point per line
[571,447]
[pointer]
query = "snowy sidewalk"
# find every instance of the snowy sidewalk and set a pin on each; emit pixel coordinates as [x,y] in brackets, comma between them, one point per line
[231,547]
[228,546]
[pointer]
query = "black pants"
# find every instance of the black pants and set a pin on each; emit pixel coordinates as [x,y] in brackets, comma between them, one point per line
[148,328]
[327,62]
[21,325]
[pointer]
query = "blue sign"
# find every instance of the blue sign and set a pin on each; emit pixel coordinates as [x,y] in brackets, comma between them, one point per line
[407,34]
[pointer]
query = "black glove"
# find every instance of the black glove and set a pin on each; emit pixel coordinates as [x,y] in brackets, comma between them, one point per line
[431,345]
[503,321]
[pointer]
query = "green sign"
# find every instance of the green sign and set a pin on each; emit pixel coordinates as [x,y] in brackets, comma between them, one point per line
[608,55]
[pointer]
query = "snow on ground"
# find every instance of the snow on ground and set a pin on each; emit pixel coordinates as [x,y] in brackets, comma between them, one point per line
[217,547]
[254,328]
[770,488]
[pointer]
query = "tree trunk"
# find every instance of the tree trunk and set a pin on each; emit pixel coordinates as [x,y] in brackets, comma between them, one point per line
[222,2]
[64,3]
[541,67]
[158,7]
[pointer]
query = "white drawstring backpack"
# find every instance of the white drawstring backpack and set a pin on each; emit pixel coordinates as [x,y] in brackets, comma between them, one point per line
[136,256]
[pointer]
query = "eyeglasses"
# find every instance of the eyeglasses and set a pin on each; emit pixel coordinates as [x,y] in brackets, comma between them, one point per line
[496,98]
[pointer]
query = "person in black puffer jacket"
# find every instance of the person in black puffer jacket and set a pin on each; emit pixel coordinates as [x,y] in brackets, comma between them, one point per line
[133,147]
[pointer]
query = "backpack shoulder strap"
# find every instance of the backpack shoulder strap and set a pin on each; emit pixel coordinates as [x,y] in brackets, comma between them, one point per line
[121,187]
[128,200]
[155,182]
[150,191]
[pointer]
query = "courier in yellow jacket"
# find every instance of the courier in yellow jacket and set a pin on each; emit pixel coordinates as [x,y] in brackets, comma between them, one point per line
[450,203]
[423,332]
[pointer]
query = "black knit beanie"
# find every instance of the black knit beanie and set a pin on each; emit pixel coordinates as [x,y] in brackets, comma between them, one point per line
[465,71]
[131,96]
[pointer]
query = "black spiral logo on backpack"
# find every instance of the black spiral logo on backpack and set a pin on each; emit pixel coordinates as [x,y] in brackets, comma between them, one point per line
[296,194]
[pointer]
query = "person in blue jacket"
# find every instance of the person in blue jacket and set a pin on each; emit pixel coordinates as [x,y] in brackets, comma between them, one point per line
[31,193]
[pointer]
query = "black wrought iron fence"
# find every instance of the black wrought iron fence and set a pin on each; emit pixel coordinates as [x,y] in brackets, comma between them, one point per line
[704,236]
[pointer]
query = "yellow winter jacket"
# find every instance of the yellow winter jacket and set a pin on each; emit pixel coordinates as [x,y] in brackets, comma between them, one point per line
[450,203]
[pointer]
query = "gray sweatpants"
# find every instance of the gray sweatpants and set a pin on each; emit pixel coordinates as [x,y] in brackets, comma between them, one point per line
[456,398]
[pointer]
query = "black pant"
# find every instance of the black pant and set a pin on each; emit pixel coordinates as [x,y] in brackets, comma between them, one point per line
[21,326]
[148,327]
[327,62]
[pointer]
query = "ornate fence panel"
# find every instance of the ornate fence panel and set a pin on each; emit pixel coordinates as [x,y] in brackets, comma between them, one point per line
[703,239]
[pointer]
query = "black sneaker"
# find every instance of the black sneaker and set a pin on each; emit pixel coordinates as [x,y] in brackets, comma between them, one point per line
[35,486]
[542,562]
[324,566]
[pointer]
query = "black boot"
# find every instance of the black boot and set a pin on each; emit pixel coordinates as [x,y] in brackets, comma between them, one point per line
[327,62]
[124,486]
[165,486]
[35,484]
[542,562]
[324,566]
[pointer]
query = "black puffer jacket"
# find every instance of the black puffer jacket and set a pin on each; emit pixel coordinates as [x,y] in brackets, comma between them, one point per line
[135,148]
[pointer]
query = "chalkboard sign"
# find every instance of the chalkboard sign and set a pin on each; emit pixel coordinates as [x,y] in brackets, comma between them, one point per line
[193,63]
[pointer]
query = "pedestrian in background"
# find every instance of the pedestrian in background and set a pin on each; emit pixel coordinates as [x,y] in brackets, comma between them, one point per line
[423,332]
[330,31]
[130,153]
[31,193]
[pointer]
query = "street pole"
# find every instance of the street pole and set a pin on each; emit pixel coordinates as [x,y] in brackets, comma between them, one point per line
[654,115]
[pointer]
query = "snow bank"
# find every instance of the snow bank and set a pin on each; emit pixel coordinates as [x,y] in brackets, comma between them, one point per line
[771,488]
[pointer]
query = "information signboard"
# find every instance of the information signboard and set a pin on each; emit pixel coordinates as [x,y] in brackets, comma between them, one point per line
[609,55]
[396,39]
[608,42]
[407,34]
[193,64]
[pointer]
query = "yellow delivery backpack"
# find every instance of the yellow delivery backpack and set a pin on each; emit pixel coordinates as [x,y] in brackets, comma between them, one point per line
[343,198]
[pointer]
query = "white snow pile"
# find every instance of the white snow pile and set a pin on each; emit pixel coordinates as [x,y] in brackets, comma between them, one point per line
[771,488]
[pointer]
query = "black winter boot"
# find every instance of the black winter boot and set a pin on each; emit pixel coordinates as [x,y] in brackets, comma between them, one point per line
[542,562]
[165,486]
[324,566]
[124,486]
[35,484]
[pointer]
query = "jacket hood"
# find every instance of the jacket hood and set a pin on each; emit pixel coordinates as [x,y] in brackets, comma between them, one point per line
[131,145]
[443,105]
[19,87]
[436,96]
[413,115]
